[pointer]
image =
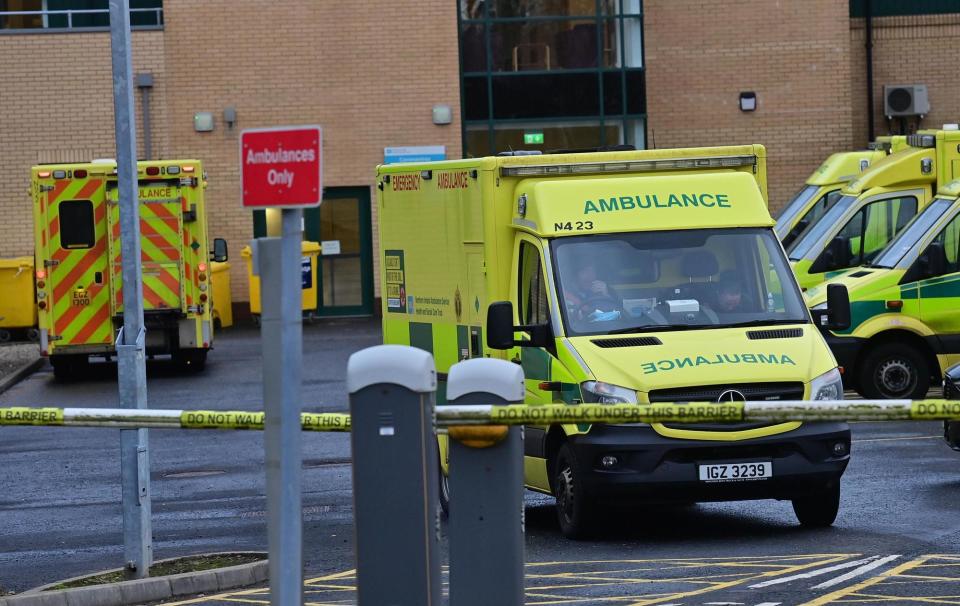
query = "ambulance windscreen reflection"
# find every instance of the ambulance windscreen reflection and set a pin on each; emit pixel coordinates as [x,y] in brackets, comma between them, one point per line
[671,280]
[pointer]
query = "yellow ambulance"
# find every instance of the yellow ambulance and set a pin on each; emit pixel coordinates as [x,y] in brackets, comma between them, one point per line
[822,190]
[78,262]
[875,207]
[620,277]
[905,326]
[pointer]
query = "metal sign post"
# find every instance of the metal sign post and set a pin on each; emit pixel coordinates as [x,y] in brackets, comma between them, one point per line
[281,168]
[132,374]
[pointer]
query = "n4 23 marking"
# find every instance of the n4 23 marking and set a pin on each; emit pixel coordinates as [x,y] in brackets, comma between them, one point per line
[573,226]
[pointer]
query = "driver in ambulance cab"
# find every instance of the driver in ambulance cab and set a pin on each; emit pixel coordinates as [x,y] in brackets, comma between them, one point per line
[589,298]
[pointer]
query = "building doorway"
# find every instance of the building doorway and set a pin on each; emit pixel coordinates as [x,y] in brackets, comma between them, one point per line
[345,272]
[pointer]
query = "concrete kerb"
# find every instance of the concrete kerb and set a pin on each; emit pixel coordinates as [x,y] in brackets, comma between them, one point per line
[141,591]
[19,374]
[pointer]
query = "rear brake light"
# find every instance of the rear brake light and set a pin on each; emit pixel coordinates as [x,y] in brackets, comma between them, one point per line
[203,298]
[41,284]
[202,267]
[188,169]
[44,174]
[42,304]
[80,174]
[41,274]
[153,171]
[173,170]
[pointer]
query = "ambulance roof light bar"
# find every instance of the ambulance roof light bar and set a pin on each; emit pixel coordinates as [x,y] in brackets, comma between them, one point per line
[918,140]
[628,166]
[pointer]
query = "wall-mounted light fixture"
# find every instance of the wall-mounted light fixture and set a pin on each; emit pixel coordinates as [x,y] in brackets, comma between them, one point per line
[748,101]
[203,122]
[442,114]
[230,116]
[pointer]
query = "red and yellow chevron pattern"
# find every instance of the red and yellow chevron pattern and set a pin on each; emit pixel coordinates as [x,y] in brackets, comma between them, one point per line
[80,302]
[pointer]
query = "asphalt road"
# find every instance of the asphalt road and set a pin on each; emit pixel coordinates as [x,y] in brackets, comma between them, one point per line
[60,513]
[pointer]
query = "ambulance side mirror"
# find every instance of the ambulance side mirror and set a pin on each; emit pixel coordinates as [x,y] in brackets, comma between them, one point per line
[838,307]
[500,329]
[219,250]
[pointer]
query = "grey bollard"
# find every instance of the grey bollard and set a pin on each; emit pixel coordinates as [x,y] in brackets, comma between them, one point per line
[486,490]
[395,482]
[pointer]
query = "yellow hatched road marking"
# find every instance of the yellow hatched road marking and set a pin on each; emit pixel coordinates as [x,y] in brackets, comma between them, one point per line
[852,589]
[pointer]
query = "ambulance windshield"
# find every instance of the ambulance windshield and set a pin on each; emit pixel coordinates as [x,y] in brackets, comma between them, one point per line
[674,280]
[815,231]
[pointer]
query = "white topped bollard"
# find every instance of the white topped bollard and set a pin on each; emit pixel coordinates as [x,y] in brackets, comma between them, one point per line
[486,489]
[395,495]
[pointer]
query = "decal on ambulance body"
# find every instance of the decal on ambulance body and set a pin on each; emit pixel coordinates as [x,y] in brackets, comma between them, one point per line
[395,281]
[620,203]
[694,361]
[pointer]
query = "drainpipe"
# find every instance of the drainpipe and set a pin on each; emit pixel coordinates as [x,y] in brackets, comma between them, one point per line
[868,16]
[144,82]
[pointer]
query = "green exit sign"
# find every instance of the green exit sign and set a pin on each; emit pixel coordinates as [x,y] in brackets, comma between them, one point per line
[533,138]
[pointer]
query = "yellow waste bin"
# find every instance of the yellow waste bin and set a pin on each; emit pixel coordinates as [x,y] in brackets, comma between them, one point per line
[18,310]
[308,273]
[222,300]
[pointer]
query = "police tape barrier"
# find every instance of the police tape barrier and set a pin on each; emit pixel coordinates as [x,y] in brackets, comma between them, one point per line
[161,419]
[548,414]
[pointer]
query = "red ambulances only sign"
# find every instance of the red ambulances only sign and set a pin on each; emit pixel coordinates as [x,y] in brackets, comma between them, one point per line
[281,167]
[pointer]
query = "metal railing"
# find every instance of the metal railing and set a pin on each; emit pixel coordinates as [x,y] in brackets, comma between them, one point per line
[45,18]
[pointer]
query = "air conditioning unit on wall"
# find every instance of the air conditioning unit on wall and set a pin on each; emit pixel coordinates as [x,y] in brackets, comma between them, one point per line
[905,100]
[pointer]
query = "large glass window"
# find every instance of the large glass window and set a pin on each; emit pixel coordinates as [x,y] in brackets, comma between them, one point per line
[74,14]
[807,240]
[803,214]
[866,234]
[533,307]
[949,242]
[77,229]
[672,280]
[551,61]
[913,233]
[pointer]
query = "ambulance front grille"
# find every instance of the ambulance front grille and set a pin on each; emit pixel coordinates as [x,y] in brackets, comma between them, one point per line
[713,393]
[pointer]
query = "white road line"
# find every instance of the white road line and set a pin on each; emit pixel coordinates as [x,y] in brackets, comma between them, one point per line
[813,573]
[856,572]
[769,603]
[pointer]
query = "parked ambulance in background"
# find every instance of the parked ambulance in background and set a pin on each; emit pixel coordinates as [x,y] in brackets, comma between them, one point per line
[620,277]
[905,307]
[78,263]
[822,190]
[875,207]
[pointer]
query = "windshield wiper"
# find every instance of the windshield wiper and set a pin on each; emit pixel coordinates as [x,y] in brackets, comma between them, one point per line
[757,323]
[656,328]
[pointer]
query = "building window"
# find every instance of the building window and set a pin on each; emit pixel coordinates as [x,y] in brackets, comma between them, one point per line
[59,15]
[76,224]
[570,69]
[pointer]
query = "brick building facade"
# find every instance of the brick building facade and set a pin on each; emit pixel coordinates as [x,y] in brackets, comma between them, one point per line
[371,73]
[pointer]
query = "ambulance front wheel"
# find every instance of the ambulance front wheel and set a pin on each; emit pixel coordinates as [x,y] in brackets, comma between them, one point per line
[5,335]
[575,508]
[819,509]
[894,371]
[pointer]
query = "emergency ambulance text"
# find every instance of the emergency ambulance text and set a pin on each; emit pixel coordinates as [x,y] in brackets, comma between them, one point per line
[653,201]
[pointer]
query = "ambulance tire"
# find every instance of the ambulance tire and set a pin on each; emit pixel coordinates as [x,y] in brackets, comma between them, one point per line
[192,360]
[69,367]
[33,335]
[5,335]
[819,509]
[893,371]
[575,508]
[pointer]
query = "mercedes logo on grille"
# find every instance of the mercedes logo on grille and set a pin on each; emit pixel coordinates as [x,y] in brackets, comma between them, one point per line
[731,395]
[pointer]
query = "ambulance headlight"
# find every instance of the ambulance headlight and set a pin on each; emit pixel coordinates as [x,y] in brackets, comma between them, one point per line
[828,386]
[597,392]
